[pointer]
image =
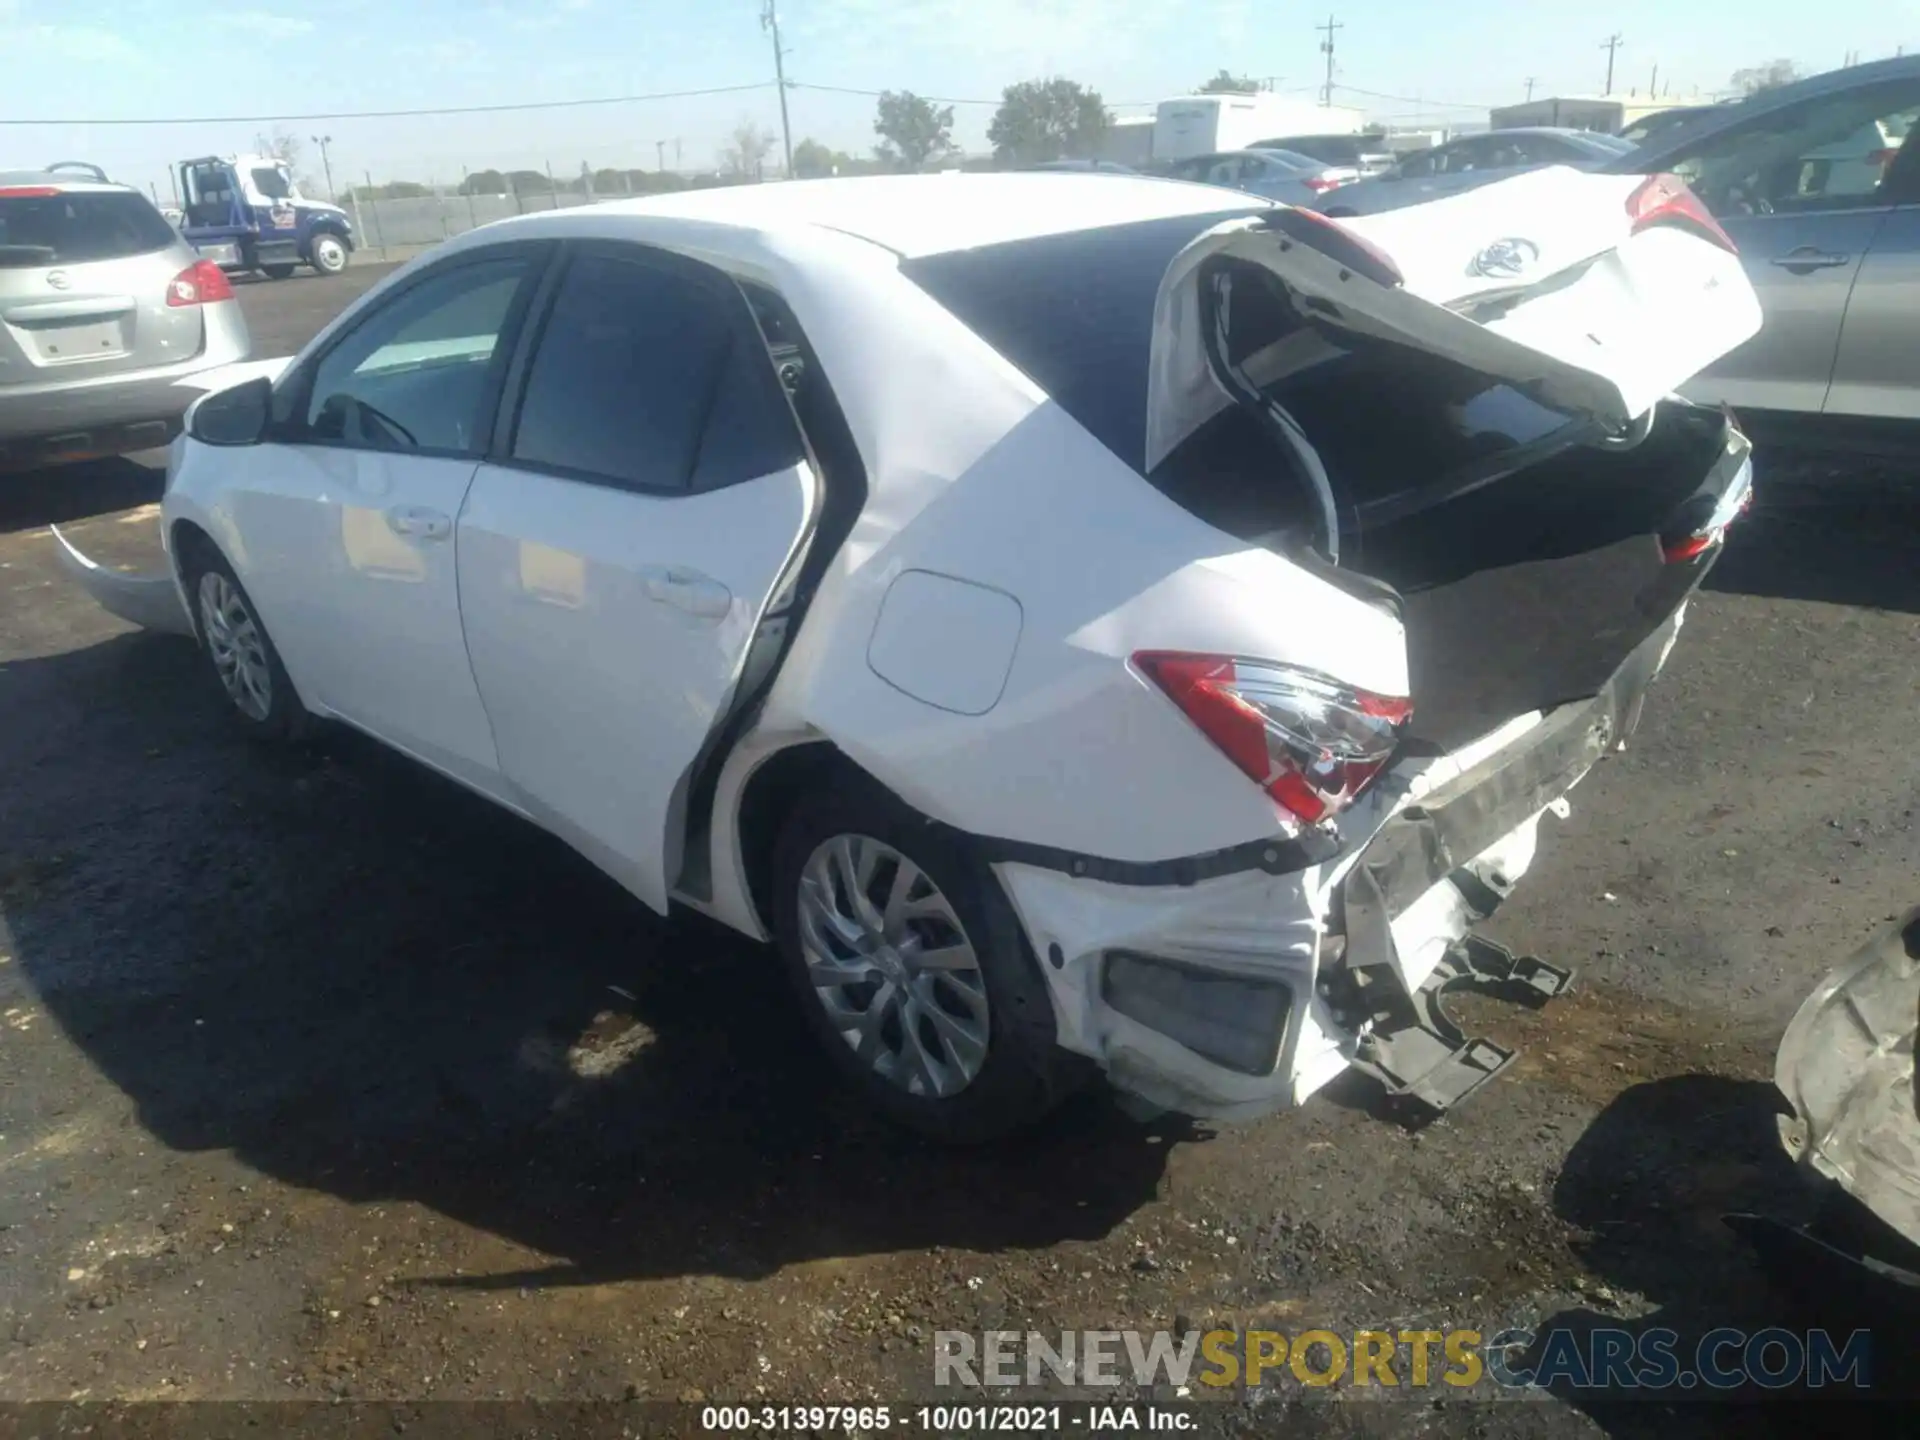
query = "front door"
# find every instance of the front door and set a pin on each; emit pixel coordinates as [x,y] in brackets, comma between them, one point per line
[616,561]
[1800,192]
[349,529]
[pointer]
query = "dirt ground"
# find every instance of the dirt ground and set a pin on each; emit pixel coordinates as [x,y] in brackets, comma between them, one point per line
[320,1078]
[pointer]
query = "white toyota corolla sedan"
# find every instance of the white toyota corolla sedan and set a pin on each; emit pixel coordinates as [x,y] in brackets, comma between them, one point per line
[1083,622]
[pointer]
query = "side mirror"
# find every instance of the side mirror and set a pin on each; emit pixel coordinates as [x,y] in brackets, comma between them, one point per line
[233,417]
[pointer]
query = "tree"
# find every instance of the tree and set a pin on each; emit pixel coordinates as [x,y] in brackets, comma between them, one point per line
[1045,120]
[745,156]
[1040,120]
[912,130]
[484,182]
[814,161]
[1229,84]
[1770,76]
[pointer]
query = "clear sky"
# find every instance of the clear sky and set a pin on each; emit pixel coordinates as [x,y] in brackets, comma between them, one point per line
[94,60]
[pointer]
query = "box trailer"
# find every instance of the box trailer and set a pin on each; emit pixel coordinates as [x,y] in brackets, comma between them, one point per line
[1203,124]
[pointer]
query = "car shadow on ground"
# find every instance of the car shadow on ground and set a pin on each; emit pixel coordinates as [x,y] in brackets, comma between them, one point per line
[1828,527]
[56,495]
[367,982]
[1648,1185]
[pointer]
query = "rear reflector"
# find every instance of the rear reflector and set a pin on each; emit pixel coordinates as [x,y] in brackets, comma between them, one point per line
[1310,742]
[1230,1019]
[201,283]
[1336,242]
[1710,529]
[1668,200]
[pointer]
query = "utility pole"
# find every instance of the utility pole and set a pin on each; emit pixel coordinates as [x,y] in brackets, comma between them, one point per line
[1653,86]
[660,155]
[1326,49]
[323,141]
[676,152]
[770,22]
[1611,44]
[1530,83]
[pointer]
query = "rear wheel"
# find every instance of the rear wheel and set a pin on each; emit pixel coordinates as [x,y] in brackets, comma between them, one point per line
[328,253]
[913,970]
[242,656]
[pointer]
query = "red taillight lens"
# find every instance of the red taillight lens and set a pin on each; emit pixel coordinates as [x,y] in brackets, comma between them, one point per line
[27,192]
[201,283]
[1311,743]
[1337,243]
[1711,528]
[1319,184]
[1667,200]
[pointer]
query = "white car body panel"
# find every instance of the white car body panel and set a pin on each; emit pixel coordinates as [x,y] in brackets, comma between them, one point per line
[595,652]
[1646,313]
[568,648]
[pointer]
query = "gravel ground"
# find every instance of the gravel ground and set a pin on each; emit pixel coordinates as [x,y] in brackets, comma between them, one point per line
[320,1078]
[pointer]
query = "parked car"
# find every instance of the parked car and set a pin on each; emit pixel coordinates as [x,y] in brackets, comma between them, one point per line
[1470,161]
[103,307]
[1818,183]
[1366,153]
[1276,174]
[967,583]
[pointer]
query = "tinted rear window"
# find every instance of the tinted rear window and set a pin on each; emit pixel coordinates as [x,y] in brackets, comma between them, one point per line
[1074,312]
[77,228]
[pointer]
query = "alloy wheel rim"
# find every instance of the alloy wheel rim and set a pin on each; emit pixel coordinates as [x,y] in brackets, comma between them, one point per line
[892,966]
[236,645]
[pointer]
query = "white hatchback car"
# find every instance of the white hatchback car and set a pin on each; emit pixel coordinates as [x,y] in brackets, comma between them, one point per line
[1085,621]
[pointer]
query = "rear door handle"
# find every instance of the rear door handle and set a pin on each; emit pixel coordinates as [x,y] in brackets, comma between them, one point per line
[687,590]
[419,522]
[1810,257]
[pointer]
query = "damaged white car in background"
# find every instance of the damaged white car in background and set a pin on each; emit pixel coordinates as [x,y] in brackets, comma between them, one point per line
[1087,622]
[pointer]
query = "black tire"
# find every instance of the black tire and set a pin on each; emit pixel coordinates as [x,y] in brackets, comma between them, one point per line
[283,717]
[327,253]
[1024,1073]
[277,272]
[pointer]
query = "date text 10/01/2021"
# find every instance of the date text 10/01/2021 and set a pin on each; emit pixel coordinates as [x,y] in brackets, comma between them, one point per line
[948,1419]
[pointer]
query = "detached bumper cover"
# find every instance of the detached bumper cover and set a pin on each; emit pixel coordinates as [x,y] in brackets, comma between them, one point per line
[1846,1065]
[152,602]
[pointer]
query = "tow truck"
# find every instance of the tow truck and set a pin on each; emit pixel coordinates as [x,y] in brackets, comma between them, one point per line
[246,212]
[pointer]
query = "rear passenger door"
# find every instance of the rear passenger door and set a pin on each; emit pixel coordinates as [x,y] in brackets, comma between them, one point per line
[649,490]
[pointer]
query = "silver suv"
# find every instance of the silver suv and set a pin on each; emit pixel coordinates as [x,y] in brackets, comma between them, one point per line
[103,309]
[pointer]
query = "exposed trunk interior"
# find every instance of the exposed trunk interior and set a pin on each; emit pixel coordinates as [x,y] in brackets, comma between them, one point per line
[1523,555]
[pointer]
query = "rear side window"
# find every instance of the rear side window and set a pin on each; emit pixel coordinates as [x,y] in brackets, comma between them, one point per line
[648,378]
[1074,312]
[78,228]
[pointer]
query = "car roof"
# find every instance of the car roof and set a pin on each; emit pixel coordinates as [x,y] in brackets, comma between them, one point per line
[64,179]
[915,215]
[1713,118]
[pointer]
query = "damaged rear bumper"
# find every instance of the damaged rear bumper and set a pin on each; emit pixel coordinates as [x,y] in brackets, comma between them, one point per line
[152,601]
[1168,986]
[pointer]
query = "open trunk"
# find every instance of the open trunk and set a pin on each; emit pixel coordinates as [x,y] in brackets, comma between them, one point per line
[1532,521]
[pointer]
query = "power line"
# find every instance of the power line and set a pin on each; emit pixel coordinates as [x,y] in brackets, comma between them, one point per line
[1411,99]
[405,114]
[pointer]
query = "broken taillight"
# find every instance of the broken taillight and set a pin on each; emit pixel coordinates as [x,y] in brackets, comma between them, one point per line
[1668,200]
[1699,533]
[1310,742]
[1320,184]
[201,283]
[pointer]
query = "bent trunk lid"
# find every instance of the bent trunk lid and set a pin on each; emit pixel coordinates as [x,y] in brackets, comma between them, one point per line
[1542,281]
